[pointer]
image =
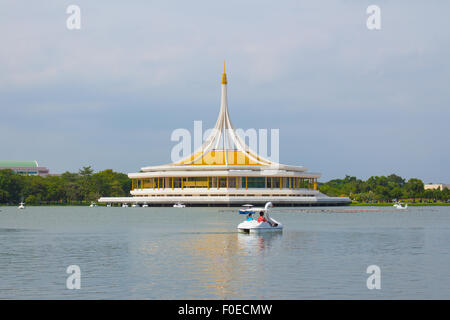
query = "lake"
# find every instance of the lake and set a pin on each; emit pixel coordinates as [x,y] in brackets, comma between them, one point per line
[196,253]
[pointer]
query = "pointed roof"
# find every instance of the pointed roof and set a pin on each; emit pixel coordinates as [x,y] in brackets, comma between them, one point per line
[224,149]
[233,151]
[224,75]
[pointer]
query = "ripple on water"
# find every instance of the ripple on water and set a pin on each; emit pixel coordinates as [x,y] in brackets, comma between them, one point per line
[162,253]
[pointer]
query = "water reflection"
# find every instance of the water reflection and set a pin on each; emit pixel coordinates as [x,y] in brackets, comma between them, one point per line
[217,264]
[226,265]
[172,254]
[258,243]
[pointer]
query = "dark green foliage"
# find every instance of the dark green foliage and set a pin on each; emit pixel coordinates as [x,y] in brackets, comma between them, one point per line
[84,186]
[382,189]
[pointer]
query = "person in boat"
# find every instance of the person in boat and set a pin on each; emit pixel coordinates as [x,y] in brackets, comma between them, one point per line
[261,218]
[250,216]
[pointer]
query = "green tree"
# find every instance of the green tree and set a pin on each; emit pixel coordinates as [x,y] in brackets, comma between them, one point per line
[85,171]
[414,188]
[396,180]
[11,186]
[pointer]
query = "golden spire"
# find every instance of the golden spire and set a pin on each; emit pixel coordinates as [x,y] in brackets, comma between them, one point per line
[224,75]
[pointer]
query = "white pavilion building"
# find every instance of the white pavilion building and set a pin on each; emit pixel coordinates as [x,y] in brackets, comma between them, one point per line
[224,171]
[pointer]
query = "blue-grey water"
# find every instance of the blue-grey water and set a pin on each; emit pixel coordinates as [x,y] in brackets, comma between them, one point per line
[196,253]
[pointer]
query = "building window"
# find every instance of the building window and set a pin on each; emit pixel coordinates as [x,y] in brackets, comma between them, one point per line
[231,182]
[148,183]
[222,182]
[276,182]
[196,182]
[177,182]
[256,182]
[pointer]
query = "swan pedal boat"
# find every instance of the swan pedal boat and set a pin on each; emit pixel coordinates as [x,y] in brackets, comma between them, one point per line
[254,226]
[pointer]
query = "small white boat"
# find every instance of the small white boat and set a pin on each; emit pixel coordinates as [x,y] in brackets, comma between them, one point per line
[92,205]
[108,205]
[21,206]
[145,205]
[179,205]
[400,206]
[253,226]
[125,205]
[134,205]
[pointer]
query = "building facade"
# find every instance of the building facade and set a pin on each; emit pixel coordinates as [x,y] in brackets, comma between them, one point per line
[224,171]
[25,167]
[439,186]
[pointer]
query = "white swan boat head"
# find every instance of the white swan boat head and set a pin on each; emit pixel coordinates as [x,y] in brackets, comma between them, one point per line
[253,226]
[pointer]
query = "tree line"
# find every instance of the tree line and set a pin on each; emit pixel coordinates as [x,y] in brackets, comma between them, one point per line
[84,186]
[382,189]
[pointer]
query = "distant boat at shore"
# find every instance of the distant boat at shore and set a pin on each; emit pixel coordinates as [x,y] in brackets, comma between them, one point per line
[179,205]
[400,206]
[21,206]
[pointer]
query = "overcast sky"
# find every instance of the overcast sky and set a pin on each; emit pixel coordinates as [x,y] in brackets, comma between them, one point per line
[347,100]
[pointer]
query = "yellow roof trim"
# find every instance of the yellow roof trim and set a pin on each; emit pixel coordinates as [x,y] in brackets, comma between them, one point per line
[217,157]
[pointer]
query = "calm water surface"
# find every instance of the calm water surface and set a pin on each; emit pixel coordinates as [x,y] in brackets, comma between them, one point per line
[196,253]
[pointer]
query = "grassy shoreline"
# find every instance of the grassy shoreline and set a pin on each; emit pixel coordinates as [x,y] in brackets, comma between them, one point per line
[354,204]
[410,204]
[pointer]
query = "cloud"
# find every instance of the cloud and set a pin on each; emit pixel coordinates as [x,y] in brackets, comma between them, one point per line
[135,72]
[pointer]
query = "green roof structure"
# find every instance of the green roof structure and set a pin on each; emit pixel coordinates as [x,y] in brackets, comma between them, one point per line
[18,164]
